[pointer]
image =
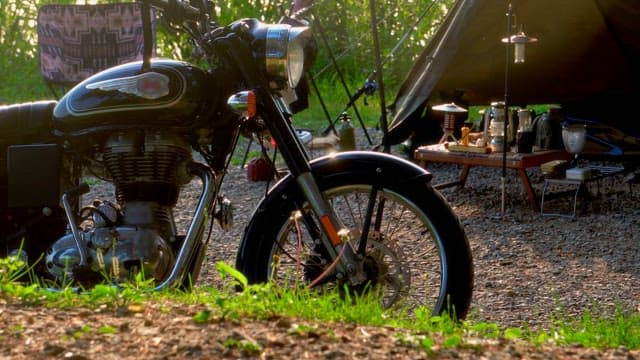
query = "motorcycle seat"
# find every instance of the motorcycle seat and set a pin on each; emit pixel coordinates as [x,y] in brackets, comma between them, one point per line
[26,122]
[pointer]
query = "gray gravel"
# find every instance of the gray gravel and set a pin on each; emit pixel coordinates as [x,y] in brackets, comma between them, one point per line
[527,266]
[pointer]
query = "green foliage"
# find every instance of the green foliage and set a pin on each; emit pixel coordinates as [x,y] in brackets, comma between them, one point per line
[349,35]
[484,330]
[452,341]
[18,61]
[335,97]
[227,271]
[247,347]
[597,329]
[11,269]
[202,317]
[83,330]
[513,333]
[427,344]
[107,329]
[347,38]
[264,10]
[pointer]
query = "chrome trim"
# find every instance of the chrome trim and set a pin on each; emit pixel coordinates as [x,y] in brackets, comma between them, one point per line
[197,227]
[239,102]
[276,48]
[131,85]
[74,229]
[154,104]
[284,53]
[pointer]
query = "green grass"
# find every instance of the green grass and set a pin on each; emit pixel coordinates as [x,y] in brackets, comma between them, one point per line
[598,330]
[593,329]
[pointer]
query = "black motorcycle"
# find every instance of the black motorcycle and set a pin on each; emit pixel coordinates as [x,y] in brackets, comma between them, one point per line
[366,221]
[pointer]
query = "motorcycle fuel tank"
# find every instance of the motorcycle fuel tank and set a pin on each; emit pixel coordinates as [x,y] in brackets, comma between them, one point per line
[172,93]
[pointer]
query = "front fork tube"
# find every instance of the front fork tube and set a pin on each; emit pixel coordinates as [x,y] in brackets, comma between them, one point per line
[335,237]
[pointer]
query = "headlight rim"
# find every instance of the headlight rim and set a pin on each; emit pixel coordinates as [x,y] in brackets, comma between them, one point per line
[284,54]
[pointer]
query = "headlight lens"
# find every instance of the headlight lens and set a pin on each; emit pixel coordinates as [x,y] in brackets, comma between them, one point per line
[284,54]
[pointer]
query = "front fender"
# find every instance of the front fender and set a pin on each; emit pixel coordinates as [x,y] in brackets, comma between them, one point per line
[388,170]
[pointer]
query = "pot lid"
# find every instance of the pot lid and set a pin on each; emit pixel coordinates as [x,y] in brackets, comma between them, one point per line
[451,107]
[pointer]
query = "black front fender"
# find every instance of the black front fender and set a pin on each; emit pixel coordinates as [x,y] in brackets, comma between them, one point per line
[387,169]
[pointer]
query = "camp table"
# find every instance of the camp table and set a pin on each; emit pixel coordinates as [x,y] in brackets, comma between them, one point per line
[518,161]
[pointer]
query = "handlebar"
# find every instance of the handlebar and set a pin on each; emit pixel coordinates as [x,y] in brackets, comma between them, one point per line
[176,10]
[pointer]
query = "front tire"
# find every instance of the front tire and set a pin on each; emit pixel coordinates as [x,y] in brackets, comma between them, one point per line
[418,257]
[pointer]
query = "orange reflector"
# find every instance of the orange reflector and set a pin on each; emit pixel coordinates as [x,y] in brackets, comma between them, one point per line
[251,104]
[328,226]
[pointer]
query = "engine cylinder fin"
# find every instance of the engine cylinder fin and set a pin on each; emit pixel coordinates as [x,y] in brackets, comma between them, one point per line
[146,166]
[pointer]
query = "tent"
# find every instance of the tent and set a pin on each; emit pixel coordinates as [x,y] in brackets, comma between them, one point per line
[586,59]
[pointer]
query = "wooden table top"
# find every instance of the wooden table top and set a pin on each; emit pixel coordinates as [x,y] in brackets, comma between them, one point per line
[438,153]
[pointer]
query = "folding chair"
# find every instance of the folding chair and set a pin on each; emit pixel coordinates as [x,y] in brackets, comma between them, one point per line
[77,41]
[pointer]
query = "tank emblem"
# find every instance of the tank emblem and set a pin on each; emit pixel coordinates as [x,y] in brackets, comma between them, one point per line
[150,85]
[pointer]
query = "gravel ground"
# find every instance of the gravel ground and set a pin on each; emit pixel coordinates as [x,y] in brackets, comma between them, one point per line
[526,267]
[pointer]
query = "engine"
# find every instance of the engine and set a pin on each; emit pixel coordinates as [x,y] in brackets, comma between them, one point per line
[147,166]
[148,169]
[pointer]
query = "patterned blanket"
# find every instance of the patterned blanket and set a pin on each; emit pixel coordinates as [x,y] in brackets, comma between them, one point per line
[76,41]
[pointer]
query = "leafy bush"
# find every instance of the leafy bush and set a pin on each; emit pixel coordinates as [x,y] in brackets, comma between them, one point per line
[346,37]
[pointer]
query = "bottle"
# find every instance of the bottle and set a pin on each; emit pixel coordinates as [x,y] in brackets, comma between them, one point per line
[524,120]
[464,140]
[347,134]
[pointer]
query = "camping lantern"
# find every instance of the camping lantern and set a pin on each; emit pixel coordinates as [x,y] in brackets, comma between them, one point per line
[520,40]
[574,138]
[449,124]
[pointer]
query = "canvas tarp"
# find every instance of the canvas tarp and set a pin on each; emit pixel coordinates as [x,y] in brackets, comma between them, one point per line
[587,54]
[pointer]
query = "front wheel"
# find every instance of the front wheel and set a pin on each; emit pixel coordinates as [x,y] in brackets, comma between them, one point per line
[415,253]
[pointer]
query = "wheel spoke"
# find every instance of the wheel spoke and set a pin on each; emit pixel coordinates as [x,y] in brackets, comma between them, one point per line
[404,260]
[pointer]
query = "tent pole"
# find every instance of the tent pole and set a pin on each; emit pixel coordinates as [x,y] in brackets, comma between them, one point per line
[334,61]
[379,65]
[506,110]
[322,104]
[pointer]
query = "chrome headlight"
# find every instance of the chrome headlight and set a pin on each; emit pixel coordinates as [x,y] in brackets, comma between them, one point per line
[279,50]
[284,53]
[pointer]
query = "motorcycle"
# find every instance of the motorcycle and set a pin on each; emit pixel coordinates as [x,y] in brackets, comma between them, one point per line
[360,220]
